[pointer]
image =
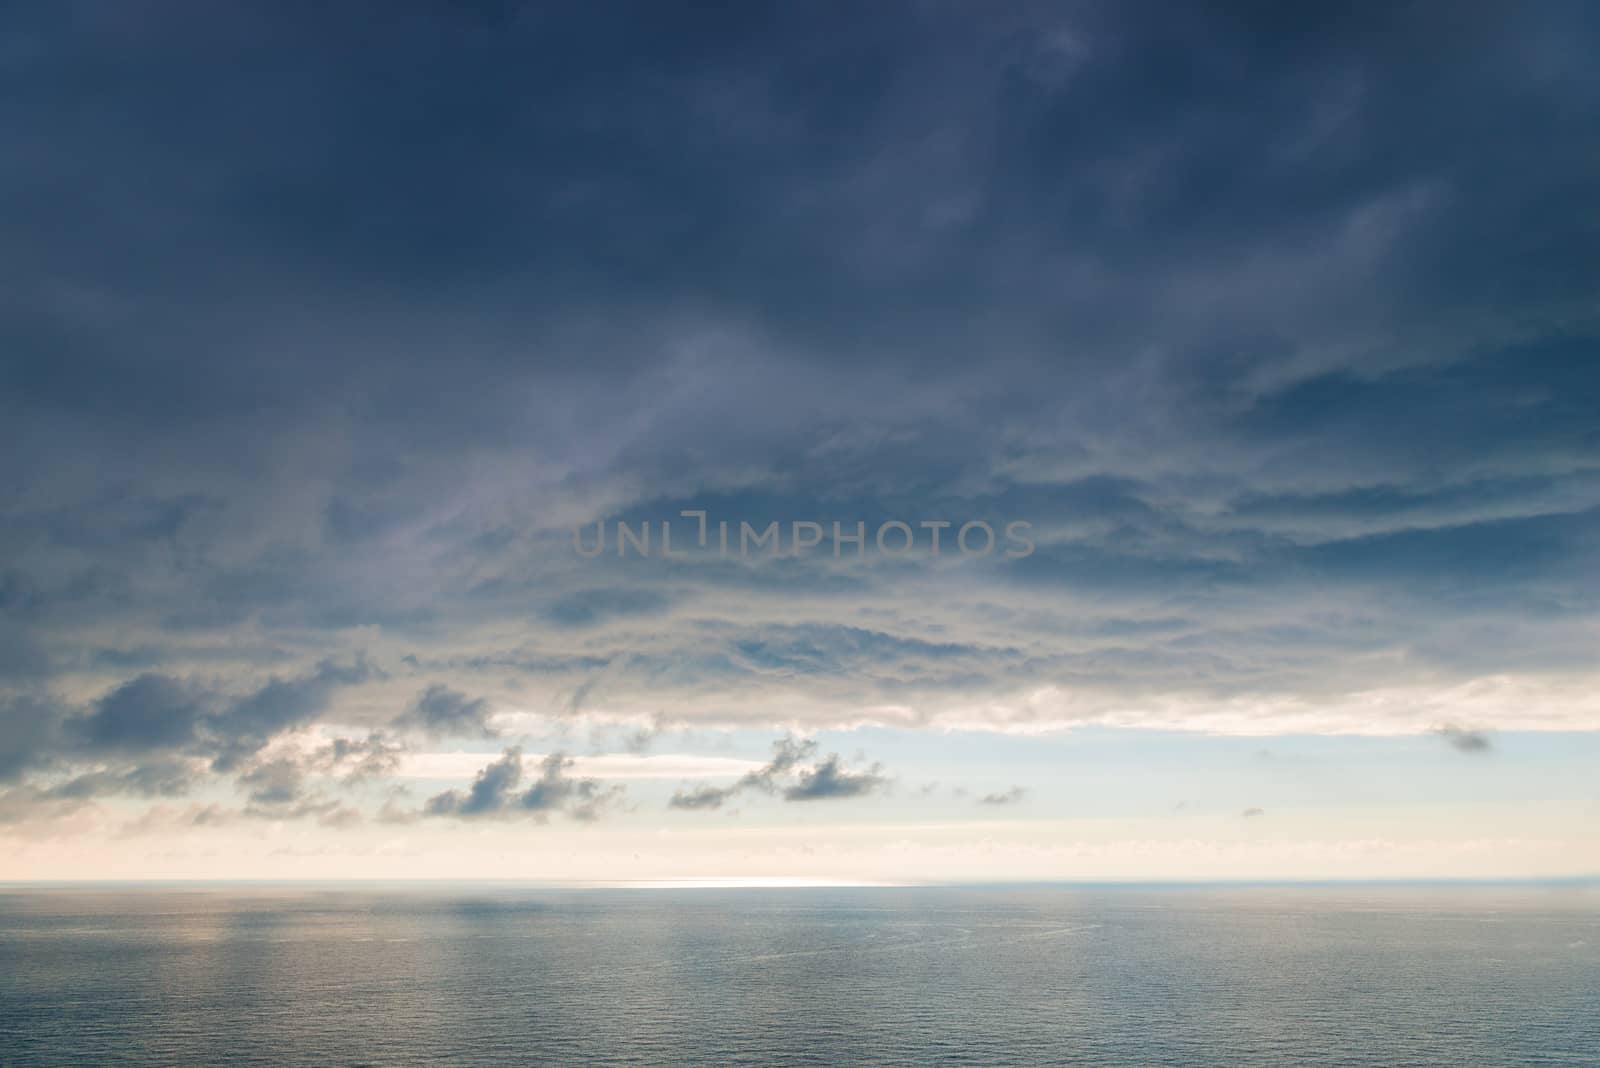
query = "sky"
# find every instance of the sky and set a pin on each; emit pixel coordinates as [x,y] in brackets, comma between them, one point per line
[1241,356]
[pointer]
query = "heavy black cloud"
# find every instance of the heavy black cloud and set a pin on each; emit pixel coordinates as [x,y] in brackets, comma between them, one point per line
[1275,322]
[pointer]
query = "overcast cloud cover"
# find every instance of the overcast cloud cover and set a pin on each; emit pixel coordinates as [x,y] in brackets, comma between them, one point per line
[321,329]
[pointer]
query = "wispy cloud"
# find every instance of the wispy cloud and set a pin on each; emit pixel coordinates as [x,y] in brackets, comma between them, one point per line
[789,773]
[455,765]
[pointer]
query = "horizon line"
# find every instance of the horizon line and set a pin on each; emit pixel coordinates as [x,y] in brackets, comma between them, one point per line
[803,883]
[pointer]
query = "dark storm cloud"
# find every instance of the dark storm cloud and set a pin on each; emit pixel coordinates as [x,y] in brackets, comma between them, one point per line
[496,791]
[441,711]
[322,328]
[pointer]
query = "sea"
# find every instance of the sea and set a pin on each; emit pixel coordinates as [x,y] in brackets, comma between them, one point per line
[1463,976]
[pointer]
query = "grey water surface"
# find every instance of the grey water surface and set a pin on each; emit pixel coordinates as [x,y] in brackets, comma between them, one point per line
[1461,976]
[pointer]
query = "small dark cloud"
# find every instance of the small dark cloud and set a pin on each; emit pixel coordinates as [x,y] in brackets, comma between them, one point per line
[1463,740]
[152,779]
[640,741]
[246,726]
[830,779]
[393,812]
[580,695]
[156,778]
[277,788]
[590,608]
[274,782]
[787,753]
[443,712]
[359,759]
[339,816]
[27,804]
[327,812]
[161,817]
[496,791]
[209,816]
[1008,797]
[702,797]
[1252,812]
[488,793]
[785,773]
[555,791]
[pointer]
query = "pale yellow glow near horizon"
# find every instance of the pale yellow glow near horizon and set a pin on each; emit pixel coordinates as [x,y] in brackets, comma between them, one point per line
[1535,840]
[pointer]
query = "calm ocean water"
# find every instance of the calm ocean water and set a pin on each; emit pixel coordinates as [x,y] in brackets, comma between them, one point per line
[1464,977]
